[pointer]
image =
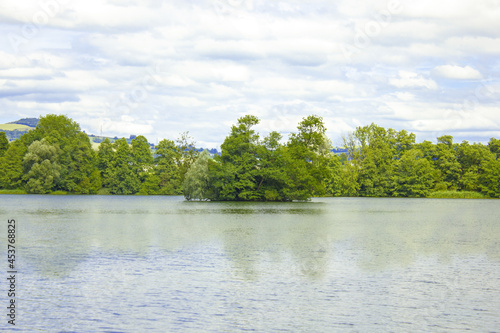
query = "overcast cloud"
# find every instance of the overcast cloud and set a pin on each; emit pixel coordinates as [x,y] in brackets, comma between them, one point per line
[159,68]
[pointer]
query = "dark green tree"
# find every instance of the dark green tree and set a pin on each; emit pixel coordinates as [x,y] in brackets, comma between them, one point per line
[105,162]
[76,157]
[124,179]
[166,171]
[142,157]
[11,166]
[234,177]
[4,143]
[272,178]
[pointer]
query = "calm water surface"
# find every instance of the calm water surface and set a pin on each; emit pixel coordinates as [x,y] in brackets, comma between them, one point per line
[132,264]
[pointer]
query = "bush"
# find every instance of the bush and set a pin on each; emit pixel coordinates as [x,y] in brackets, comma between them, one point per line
[456,195]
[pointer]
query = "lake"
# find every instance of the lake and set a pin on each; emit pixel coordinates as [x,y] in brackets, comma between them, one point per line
[161,264]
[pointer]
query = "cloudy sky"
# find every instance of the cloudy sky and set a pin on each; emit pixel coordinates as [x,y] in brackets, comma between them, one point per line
[159,67]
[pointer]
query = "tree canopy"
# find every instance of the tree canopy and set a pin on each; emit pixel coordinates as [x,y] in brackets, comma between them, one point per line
[379,162]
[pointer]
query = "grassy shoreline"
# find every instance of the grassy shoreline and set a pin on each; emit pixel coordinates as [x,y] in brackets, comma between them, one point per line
[433,195]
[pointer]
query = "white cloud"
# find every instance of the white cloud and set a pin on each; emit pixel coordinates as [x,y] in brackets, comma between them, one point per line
[170,66]
[457,72]
[409,79]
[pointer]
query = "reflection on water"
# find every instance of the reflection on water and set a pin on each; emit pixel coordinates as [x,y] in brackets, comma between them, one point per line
[124,263]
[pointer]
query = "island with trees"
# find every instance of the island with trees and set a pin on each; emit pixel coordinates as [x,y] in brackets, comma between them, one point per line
[57,157]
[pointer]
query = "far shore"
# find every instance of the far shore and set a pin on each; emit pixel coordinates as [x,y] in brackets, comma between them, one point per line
[433,195]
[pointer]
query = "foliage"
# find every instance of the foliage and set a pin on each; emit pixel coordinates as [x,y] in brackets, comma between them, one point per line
[57,157]
[75,155]
[373,151]
[12,167]
[42,170]
[4,143]
[489,181]
[123,175]
[456,195]
[494,146]
[414,175]
[142,159]
[14,191]
[166,174]
[195,183]
[250,169]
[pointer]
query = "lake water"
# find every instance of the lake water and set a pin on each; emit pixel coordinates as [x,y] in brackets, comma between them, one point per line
[161,264]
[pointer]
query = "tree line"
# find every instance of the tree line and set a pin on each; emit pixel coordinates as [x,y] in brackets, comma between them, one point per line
[58,156]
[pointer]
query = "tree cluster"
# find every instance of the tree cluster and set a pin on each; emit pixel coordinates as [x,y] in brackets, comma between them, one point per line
[251,169]
[385,163]
[58,156]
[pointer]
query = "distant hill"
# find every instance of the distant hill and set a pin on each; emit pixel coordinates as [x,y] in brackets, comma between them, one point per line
[14,130]
[30,122]
[14,127]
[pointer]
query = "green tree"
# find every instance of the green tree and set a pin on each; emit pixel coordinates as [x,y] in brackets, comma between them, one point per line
[124,179]
[76,157]
[308,160]
[446,161]
[489,181]
[4,143]
[151,185]
[271,175]
[349,186]
[12,167]
[195,185]
[105,162]
[234,176]
[187,154]
[41,166]
[414,175]
[494,146]
[472,159]
[166,169]
[79,166]
[142,157]
[91,184]
[373,150]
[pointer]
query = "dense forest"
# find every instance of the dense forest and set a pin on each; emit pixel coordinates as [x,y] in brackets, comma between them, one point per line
[57,157]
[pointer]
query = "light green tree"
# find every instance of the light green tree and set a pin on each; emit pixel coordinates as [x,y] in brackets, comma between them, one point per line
[42,170]
[489,181]
[195,185]
[414,175]
[494,146]
[472,159]
[446,161]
